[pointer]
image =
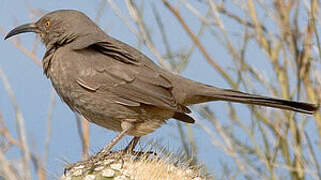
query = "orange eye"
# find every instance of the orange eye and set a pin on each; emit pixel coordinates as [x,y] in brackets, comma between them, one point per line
[47,24]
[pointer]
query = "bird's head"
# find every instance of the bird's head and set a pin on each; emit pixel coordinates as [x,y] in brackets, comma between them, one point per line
[61,27]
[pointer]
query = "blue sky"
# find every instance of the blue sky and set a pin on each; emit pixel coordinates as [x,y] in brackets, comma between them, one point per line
[32,88]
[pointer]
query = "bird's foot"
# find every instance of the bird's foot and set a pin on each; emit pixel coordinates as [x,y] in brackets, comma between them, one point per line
[91,163]
[137,153]
[100,155]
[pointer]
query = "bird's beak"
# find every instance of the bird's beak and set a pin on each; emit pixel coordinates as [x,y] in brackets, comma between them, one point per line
[31,27]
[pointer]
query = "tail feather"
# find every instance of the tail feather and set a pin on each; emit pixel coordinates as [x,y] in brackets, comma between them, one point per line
[188,92]
[183,117]
[245,98]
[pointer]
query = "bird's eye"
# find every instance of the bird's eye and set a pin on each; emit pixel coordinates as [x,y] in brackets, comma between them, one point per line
[47,24]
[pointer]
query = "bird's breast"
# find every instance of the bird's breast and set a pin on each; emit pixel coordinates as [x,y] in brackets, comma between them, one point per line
[61,70]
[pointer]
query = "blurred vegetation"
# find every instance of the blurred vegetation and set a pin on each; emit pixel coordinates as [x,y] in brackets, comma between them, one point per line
[280,144]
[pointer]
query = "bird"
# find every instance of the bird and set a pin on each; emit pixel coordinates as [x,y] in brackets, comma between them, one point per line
[117,87]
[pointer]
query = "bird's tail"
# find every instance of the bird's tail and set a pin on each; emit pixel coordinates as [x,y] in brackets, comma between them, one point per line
[210,93]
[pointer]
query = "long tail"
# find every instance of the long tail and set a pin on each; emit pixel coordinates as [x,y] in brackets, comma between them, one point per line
[210,93]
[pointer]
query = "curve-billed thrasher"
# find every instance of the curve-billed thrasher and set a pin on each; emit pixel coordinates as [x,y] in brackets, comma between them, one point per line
[117,87]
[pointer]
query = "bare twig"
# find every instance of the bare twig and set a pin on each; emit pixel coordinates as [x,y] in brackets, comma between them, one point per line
[6,168]
[200,46]
[25,152]
[49,119]
[136,16]
[86,138]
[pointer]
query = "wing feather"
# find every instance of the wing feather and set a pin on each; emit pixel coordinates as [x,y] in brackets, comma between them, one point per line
[131,80]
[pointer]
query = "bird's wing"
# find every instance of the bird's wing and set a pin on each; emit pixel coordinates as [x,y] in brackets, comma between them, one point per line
[131,81]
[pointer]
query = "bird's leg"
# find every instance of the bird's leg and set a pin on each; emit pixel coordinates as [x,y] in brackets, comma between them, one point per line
[127,126]
[132,144]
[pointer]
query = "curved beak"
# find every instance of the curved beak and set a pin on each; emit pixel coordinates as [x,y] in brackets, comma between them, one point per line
[31,27]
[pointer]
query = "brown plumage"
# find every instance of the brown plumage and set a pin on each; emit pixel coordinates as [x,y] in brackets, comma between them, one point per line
[117,87]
